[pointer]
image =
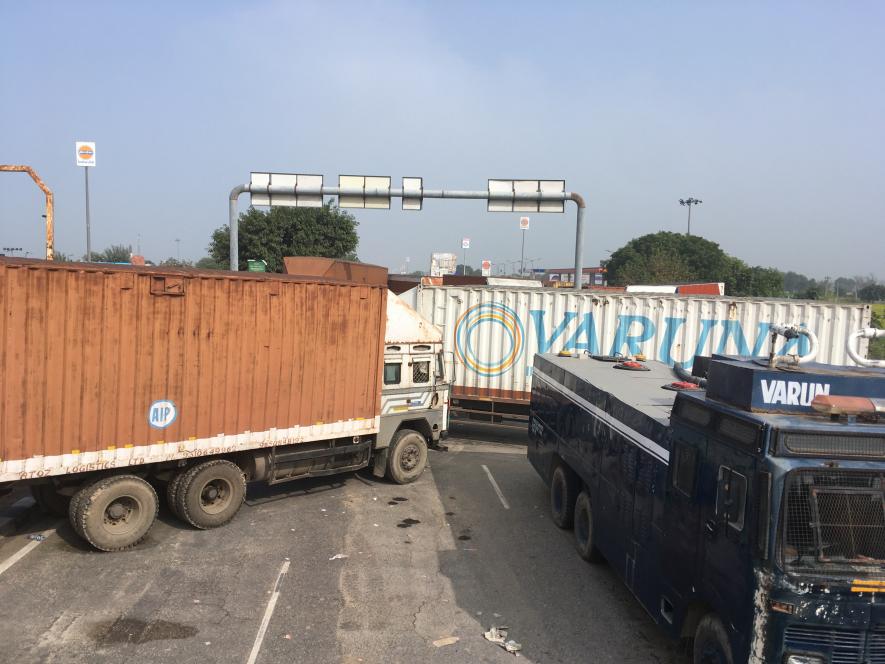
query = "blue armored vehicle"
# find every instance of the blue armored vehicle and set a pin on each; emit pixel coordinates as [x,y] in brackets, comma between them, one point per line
[745,509]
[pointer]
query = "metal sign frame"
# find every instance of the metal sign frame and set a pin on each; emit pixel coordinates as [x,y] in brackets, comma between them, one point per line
[537,197]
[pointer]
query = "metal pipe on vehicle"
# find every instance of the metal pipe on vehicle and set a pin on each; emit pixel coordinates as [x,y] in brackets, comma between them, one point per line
[792,332]
[865,333]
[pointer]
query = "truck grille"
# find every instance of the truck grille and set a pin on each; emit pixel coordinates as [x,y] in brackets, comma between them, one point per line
[845,645]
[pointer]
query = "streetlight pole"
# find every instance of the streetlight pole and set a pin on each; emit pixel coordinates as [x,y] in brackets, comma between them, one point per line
[689,202]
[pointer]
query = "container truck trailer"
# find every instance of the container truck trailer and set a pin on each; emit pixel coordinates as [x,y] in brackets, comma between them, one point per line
[115,380]
[494,332]
[745,510]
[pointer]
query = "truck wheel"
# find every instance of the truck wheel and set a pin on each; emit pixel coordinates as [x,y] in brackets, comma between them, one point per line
[711,644]
[172,492]
[49,500]
[407,456]
[563,491]
[210,494]
[584,532]
[76,499]
[116,513]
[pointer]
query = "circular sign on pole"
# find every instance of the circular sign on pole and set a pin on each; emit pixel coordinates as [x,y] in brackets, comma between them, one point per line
[523,223]
[85,153]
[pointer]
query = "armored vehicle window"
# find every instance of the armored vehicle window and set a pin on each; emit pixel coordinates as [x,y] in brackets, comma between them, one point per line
[738,431]
[694,413]
[835,445]
[731,497]
[420,372]
[684,466]
[392,373]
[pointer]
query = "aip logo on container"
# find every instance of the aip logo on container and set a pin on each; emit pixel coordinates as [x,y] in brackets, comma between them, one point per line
[161,414]
[472,330]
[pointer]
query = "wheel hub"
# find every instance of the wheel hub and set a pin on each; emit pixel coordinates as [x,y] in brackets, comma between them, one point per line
[409,457]
[215,496]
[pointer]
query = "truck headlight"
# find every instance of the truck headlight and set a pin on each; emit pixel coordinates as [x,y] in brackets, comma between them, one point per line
[805,659]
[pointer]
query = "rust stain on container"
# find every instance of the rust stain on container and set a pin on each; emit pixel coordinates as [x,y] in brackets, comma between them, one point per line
[89,353]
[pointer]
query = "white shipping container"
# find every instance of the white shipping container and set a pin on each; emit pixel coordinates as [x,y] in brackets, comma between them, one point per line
[494,333]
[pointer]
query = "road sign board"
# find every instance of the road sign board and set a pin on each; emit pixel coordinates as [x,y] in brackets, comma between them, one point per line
[523,223]
[85,151]
[413,193]
[503,195]
[367,183]
[465,243]
[291,199]
[487,268]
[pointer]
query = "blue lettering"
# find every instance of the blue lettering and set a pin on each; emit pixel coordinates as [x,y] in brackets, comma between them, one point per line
[733,329]
[706,326]
[544,342]
[761,338]
[632,342]
[671,327]
[588,329]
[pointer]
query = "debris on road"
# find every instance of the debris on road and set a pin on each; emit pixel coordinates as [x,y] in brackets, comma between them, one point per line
[447,641]
[37,537]
[498,635]
[339,556]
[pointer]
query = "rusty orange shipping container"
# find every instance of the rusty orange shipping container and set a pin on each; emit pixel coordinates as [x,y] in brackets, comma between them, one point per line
[107,366]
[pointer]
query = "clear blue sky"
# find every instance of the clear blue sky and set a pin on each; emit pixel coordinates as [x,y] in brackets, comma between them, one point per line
[772,113]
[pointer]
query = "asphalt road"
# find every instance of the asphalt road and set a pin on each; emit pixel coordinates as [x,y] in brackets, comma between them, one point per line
[444,558]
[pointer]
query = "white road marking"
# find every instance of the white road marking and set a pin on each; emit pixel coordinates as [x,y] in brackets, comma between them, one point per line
[268,612]
[496,487]
[25,550]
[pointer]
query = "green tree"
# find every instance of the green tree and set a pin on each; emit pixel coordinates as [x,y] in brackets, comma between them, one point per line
[466,270]
[667,258]
[175,262]
[62,257]
[872,293]
[209,263]
[326,231]
[116,253]
[877,346]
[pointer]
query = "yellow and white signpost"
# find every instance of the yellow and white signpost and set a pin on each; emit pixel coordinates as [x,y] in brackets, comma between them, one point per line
[86,158]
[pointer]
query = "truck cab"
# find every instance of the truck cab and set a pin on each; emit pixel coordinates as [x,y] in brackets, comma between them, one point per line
[414,391]
[788,504]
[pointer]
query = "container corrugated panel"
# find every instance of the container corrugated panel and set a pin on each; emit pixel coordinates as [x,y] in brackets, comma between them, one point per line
[494,333]
[106,366]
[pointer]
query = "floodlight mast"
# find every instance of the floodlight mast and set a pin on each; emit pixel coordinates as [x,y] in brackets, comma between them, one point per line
[459,194]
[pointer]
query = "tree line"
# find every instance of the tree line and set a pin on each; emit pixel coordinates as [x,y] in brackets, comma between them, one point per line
[669,258]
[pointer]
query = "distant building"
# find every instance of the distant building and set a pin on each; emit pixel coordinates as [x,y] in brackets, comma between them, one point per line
[591,277]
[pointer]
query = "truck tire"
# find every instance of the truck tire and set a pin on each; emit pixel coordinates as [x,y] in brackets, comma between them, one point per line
[585,542]
[172,492]
[116,513]
[563,492]
[711,645]
[407,456]
[76,499]
[210,494]
[49,500]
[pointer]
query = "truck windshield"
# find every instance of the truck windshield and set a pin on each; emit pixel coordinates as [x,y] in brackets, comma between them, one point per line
[833,521]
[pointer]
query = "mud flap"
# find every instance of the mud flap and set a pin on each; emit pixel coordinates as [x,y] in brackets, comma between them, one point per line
[379,467]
